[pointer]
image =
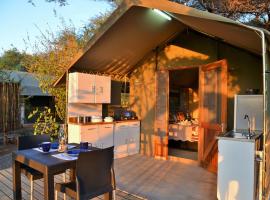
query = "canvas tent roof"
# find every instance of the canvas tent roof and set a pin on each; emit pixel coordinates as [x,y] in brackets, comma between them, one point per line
[28,83]
[134,30]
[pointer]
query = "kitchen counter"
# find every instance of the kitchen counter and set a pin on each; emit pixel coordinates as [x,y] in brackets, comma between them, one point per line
[123,135]
[237,168]
[230,136]
[130,120]
[100,123]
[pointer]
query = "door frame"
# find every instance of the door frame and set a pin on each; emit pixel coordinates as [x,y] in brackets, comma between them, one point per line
[161,142]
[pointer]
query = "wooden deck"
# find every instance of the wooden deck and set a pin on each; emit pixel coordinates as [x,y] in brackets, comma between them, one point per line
[143,177]
[6,185]
[176,179]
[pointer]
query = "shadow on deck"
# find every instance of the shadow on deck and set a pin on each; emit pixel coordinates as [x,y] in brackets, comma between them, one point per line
[6,185]
[165,180]
[143,177]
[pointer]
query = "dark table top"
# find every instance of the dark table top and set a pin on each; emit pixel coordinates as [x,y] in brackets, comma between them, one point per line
[43,161]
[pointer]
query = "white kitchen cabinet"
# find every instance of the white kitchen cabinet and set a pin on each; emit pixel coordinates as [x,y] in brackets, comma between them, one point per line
[81,88]
[100,135]
[120,140]
[126,138]
[237,169]
[105,135]
[90,134]
[103,89]
[88,88]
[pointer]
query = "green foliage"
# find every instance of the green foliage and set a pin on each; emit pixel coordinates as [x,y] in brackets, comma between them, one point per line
[59,2]
[12,60]
[255,12]
[50,61]
[45,123]
[65,2]
[91,28]
[53,54]
[5,76]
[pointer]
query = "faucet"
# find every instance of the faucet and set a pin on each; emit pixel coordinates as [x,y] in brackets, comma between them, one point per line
[249,135]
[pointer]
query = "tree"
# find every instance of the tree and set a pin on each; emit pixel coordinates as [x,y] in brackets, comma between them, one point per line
[252,12]
[53,53]
[65,2]
[12,60]
[46,123]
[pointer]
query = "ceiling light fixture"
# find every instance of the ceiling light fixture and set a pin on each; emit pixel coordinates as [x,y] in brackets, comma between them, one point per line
[163,14]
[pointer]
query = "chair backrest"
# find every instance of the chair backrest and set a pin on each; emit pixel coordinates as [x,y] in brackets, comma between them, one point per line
[32,141]
[94,173]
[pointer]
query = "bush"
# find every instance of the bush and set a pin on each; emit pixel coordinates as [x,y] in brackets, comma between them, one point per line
[45,123]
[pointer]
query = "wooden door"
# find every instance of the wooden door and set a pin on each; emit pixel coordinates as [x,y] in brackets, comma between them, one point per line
[213,111]
[161,114]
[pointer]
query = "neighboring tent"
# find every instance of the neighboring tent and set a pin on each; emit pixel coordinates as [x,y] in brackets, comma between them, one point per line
[28,83]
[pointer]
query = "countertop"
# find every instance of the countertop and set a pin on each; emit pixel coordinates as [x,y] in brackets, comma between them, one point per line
[228,136]
[98,123]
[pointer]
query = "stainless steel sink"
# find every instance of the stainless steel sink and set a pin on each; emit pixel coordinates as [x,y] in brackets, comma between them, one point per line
[241,135]
[237,135]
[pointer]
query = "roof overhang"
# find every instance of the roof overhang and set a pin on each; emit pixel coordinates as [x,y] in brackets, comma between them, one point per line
[134,30]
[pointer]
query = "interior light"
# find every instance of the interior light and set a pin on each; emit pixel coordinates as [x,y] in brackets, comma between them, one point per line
[162,14]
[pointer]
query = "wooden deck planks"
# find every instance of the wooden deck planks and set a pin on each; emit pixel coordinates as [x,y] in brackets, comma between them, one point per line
[6,185]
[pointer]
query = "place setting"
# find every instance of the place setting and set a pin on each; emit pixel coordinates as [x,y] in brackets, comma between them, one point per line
[66,151]
[47,147]
[73,153]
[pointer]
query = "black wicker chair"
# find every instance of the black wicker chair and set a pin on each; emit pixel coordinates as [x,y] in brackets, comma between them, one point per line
[29,142]
[94,176]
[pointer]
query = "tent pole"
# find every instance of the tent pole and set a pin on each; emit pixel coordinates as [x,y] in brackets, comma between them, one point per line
[66,118]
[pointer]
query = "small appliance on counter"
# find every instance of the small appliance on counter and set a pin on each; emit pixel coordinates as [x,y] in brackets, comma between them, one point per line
[128,115]
[108,119]
[96,119]
[86,119]
[123,114]
[80,119]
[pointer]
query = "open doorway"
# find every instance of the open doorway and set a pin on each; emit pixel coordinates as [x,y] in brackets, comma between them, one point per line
[184,113]
[211,95]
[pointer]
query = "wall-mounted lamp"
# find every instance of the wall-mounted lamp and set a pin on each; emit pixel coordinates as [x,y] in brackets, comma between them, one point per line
[164,15]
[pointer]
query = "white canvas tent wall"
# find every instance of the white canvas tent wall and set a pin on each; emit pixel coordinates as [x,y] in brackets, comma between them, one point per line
[134,30]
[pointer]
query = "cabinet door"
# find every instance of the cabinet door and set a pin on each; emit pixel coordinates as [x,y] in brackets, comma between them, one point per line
[105,134]
[74,133]
[133,138]
[103,89]
[120,140]
[86,88]
[89,134]
[72,88]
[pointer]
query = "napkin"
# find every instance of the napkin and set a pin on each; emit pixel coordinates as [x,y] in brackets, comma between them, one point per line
[40,150]
[64,156]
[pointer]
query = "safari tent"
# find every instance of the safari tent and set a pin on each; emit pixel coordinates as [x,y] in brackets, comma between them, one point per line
[153,43]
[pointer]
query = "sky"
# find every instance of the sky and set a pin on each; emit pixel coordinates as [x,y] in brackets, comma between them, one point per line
[20,19]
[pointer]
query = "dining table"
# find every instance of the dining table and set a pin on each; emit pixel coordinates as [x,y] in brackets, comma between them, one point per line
[46,163]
